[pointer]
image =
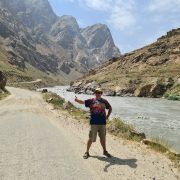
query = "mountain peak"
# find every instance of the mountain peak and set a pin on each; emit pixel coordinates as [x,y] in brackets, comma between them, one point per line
[32,13]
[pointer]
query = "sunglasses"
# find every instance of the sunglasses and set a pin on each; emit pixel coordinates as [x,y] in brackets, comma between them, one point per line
[98,92]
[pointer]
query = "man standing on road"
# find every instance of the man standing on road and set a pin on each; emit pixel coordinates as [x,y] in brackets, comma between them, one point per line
[98,118]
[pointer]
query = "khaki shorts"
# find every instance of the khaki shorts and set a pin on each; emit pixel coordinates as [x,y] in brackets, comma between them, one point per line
[100,129]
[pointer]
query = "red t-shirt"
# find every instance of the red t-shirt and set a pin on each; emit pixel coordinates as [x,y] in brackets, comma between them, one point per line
[98,110]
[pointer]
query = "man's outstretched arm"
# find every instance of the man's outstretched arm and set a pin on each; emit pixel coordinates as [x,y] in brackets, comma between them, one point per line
[109,112]
[79,101]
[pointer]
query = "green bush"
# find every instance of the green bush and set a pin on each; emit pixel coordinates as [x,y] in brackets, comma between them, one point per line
[119,128]
[54,99]
[174,98]
[160,144]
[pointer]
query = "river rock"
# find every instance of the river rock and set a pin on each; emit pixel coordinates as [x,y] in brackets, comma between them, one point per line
[91,86]
[139,134]
[125,92]
[157,90]
[44,91]
[109,93]
[77,84]
[144,91]
[89,92]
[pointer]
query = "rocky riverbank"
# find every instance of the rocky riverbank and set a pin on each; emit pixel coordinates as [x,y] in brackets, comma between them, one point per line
[152,71]
[155,89]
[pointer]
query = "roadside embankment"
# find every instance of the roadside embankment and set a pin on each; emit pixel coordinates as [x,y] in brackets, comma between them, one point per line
[3,94]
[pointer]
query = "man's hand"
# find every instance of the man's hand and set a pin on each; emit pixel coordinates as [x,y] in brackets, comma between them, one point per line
[75,98]
[109,112]
[78,100]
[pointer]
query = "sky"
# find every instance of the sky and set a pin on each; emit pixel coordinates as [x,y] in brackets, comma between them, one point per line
[133,23]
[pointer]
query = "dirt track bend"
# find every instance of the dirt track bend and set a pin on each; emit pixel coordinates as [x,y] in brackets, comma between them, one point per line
[37,143]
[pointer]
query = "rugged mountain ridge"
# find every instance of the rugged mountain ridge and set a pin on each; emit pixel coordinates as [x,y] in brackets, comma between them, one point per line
[32,34]
[152,71]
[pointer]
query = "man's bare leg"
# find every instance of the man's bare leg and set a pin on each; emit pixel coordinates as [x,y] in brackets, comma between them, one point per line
[103,144]
[89,142]
[86,155]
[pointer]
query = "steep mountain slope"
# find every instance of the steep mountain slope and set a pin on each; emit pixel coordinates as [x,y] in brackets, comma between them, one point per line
[147,72]
[31,13]
[31,33]
[30,73]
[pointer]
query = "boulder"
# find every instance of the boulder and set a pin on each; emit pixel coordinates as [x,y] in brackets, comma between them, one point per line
[157,90]
[91,86]
[109,93]
[129,91]
[77,84]
[44,91]
[89,92]
[3,81]
[139,134]
[143,91]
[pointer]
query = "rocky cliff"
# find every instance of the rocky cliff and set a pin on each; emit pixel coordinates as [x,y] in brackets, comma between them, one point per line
[152,71]
[32,34]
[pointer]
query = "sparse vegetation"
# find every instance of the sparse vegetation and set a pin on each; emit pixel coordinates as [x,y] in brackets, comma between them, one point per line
[20,77]
[119,128]
[173,93]
[160,144]
[4,94]
[60,103]
[54,99]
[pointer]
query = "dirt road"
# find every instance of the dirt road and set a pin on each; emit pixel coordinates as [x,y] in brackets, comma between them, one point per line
[39,143]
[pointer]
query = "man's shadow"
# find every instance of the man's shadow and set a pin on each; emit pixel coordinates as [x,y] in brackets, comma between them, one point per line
[116,161]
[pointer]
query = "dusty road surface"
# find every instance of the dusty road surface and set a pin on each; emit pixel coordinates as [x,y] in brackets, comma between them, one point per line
[39,143]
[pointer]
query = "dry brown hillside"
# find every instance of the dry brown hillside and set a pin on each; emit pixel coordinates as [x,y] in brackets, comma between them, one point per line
[150,71]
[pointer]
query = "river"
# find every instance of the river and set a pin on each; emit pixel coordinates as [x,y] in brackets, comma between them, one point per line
[153,116]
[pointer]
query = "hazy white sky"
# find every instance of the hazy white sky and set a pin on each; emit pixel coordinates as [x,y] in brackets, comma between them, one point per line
[133,23]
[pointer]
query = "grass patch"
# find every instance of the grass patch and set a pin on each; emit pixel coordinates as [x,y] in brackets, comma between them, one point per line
[174,98]
[160,144]
[173,93]
[54,99]
[121,129]
[60,103]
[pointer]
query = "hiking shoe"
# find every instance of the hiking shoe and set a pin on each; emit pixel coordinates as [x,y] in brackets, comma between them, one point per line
[107,154]
[86,155]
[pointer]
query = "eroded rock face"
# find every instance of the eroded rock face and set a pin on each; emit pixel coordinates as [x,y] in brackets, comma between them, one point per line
[89,46]
[32,13]
[3,80]
[99,40]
